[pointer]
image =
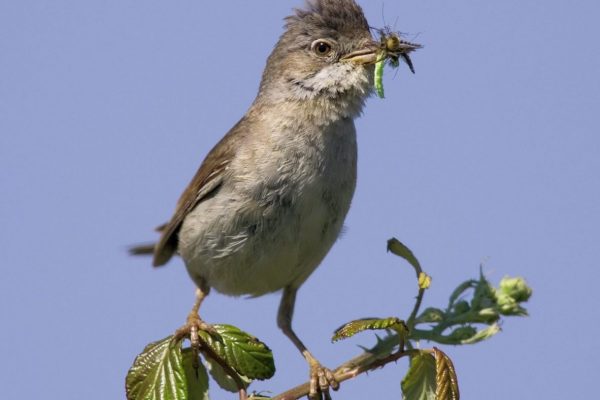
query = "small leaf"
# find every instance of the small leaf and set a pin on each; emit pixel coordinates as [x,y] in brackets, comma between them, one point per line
[158,373]
[197,379]
[484,295]
[445,377]
[461,307]
[352,328]
[431,376]
[244,353]
[399,249]
[419,382]
[430,315]
[482,335]
[222,378]
[460,289]
[424,281]
[462,334]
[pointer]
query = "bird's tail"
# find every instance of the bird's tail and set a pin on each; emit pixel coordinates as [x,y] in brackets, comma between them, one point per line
[146,249]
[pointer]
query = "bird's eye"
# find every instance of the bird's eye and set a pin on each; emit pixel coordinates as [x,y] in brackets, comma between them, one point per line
[321,48]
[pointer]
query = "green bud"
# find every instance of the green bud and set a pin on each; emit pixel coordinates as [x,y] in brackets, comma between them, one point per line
[508,306]
[515,288]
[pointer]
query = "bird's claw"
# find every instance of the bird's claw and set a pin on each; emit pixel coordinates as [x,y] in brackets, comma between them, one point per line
[321,380]
[193,325]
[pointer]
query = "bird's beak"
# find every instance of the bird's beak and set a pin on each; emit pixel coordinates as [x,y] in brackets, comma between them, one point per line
[373,52]
[365,56]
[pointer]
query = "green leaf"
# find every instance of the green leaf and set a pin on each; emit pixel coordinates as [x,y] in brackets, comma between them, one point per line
[445,377]
[461,307]
[419,382]
[158,373]
[460,289]
[244,353]
[431,376]
[399,249]
[430,315]
[482,334]
[462,334]
[352,328]
[484,295]
[222,378]
[197,379]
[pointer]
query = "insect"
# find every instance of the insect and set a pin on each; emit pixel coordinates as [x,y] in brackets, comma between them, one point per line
[391,49]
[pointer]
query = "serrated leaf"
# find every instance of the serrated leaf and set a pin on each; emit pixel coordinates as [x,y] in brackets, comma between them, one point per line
[352,328]
[196,377]
[482,334]
[225,381]
[419,382]
[158,373]
[445,377]
[244,353]
[399,249]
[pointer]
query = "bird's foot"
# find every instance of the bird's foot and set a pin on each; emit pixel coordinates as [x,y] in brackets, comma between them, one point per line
[321,380]
[193,325]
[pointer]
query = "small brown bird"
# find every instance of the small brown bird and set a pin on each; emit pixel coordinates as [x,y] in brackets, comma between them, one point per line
[269,200]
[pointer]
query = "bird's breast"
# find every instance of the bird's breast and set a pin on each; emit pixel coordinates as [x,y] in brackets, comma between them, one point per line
[280,212]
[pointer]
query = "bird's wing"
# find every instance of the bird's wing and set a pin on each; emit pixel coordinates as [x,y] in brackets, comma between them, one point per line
[208,179]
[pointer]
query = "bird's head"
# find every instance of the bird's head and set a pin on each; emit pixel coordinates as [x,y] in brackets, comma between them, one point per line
[325,58]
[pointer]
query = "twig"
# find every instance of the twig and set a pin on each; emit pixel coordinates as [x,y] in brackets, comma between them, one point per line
[360,364]
[413,315]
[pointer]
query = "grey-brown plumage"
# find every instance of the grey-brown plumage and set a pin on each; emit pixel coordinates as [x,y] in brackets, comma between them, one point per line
[269,200]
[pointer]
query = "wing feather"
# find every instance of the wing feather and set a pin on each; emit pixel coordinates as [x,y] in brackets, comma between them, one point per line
[208,179]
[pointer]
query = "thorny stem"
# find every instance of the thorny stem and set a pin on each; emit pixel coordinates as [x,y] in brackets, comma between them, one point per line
[411,320]
[367,361]
[360,364]
[413,315]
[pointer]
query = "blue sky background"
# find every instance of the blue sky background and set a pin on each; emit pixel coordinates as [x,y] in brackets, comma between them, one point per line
[489,154]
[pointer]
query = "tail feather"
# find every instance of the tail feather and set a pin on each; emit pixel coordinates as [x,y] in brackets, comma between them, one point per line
[142,249]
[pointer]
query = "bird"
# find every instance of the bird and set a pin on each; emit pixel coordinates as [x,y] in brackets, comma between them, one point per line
[269,200]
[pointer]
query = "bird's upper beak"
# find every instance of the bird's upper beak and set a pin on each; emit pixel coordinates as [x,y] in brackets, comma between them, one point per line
[373,52]
[365,56]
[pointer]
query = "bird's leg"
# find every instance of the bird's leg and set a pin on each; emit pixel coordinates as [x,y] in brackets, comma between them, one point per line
[194,323]
[321,378]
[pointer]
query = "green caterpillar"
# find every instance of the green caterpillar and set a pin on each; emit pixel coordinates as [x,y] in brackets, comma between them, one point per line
[392,48]
[379,77]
